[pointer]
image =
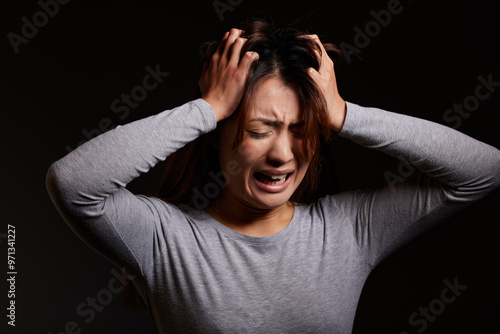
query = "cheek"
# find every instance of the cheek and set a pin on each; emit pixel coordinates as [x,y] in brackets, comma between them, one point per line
[303,170]
[302,167]
[248,152]
[236,162]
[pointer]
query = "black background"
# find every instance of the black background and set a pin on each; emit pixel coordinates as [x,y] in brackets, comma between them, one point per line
[65,78]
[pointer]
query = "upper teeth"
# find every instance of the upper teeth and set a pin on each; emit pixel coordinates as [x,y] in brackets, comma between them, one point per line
[277,177]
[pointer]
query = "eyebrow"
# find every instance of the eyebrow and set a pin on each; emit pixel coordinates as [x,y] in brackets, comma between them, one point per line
[276,123]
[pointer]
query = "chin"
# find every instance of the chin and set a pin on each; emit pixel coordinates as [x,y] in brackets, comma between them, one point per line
[270,196]
[271,201]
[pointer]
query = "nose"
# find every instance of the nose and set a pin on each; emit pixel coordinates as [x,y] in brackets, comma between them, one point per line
[281,150]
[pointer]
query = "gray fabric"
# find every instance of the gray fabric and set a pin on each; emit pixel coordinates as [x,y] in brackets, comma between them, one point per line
[198,276]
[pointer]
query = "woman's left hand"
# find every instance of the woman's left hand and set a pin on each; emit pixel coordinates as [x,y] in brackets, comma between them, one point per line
[325,79]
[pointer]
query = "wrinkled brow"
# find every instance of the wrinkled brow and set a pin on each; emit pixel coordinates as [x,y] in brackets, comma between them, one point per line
[275,123]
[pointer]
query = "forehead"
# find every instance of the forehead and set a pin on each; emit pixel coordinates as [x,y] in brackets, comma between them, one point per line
[275,101]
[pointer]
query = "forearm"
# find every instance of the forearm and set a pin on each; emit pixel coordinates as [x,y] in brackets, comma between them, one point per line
[87,175]
[455,171]
[458,161]
[338,118]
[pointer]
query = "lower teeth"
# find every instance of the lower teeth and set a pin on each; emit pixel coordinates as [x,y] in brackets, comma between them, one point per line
[263,179]
[274,183]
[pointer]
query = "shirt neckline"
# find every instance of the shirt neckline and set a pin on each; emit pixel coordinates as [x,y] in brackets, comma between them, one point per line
[227,231]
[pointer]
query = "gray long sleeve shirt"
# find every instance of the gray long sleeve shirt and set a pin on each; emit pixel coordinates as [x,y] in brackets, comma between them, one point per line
[199,276]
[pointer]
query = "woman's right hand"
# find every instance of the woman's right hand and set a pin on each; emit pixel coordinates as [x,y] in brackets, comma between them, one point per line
[224,75]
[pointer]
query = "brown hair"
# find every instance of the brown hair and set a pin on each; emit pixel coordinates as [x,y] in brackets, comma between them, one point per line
[286,54]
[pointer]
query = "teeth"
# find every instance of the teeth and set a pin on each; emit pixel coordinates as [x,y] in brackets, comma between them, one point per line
[274,179]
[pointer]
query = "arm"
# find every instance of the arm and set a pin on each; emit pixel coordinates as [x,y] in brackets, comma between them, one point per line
[88,185]
[453,170]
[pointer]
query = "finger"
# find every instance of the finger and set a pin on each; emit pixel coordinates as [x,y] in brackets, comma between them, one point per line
[320,51]
[314,75]
[222,42]
[315,38]
[236,51]
[248,58]
[232,36]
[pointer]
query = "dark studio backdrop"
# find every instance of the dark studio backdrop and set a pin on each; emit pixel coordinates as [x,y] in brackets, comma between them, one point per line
[65,76]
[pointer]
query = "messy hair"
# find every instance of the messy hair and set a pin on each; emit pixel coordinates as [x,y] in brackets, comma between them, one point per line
[285,54]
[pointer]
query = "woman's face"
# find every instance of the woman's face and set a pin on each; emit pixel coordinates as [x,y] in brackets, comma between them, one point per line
[270,161]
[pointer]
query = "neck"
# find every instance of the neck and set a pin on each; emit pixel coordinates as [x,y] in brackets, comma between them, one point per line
[243,218]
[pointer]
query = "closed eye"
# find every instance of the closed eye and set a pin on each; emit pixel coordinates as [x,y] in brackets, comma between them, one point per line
[258,134]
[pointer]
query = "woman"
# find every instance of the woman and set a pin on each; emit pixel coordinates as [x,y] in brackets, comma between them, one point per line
[261,256]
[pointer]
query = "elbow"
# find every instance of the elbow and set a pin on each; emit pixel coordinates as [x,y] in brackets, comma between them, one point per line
[483,176]
[58,183]
[53,182]
[69,192]
[63,190]
[491,173]
[496,170]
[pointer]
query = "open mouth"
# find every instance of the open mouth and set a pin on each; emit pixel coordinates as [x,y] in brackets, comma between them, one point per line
[273,180]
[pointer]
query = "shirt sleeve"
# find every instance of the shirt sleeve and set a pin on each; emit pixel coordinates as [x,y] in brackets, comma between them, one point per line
[451,172]
[87,186]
